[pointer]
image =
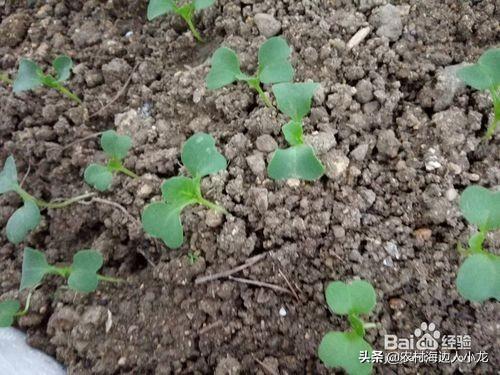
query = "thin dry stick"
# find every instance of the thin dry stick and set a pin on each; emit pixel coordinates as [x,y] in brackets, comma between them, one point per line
[210,327]
[289,285]
[259,283]
[114,204]
[93,135]
[25,175]
[118,94]
[265,367]
[249,262]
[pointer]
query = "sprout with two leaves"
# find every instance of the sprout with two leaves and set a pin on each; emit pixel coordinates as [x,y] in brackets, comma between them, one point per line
[30,76]
[162,219]
[26,218]
[274,67]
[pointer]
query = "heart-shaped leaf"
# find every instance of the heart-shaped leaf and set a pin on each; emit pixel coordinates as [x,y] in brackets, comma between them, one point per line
[159,7]
[22,221]
[62,65]
[481,207]
[356,297]
[180,190]
[98,176]
[8,176]
[342,349]
[202,4]
[163,221]
[34,268]
[485,74]
[225,69]
[8,311]
[28,76]
[274,61]
[200,156]
[83,277]
[114,145]
[478,278]
[293,133]
[294,99]
[490,62]
[295,162]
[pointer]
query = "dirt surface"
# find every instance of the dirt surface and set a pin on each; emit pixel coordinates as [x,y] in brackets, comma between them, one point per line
[399,136]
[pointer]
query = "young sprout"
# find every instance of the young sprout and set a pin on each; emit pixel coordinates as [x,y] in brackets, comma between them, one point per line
[11,309]
[299,160]
[116,148]
[26,218]
[30,76]
[274,67]
[4,77]
[478,278]
[162,219]
[81,274]
[485,75]
[160,7]
[343,349]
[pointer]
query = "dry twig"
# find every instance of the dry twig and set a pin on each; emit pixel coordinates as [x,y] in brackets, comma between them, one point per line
[248,263]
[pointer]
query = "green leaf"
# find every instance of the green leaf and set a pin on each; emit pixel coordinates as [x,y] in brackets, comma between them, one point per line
[200,156]
[28,76]
[159,7]
[22,221]
[180,190]
[356,297]
[8,311]
[62,65]
[202,4]
[481,207]
[357,324]
[476,242]
[478,278]
[490,62]
[274,61]
[295,162]
[293,133]
[225,69]
[475,76]
[83,276]
[294,99]
[115,145]
[163,221]
[98,176]
[35,267]
[8,176]
[342,349]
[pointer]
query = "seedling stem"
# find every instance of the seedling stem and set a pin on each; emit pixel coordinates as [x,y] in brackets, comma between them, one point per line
[41,203]
[255,84]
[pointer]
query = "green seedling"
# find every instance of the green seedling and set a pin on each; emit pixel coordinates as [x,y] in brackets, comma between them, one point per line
[299,160]
[10,310]
[116,148]
[193,256]
[485,75]
[30,76]
[82,274]
[162,219]
[26,218]
[4,77]
[478,278]
[158,8]
[343,349]
[274,67]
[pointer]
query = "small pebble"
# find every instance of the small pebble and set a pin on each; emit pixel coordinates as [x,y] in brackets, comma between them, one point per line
[282,311]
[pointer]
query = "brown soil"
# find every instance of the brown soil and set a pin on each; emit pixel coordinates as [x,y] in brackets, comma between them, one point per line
[390,217]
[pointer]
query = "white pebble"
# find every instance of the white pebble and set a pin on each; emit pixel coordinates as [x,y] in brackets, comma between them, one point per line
[282,311]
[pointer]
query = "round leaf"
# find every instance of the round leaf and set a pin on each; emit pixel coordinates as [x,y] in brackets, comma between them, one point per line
[24,220]
[83,276]
[34,268]
[274,64]
[163,221]
[225,69]
[490,62]
[159,7]
[62,65]
[342,349]
[8,310]
[28,76]
[8,176]
[478,278]
[200,156]
[179,190]
[481,207]
[114,145]
[294,99]
[202,4]
[475,76]
[98,176]
[357,297]
[295,162]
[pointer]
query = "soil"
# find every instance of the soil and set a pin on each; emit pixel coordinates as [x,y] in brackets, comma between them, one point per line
[399,138]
